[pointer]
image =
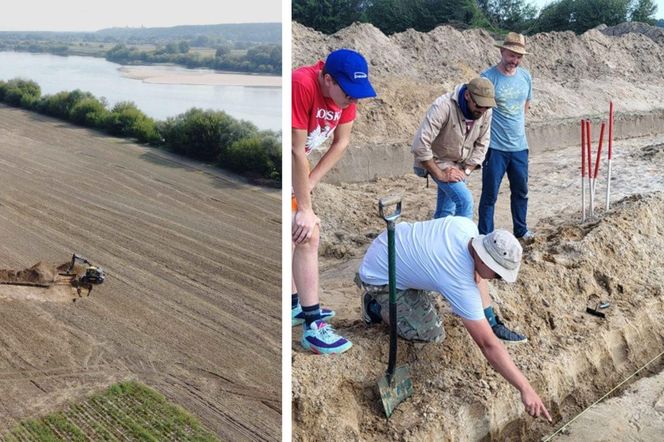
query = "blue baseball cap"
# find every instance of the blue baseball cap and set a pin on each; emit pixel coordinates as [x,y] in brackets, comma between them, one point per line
[350,70]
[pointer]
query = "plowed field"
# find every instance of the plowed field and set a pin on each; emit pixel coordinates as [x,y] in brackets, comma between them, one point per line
[191,302]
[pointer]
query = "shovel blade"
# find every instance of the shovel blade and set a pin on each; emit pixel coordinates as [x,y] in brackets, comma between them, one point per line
[394,392]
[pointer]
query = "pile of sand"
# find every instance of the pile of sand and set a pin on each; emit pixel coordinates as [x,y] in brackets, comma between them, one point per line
[39,274]
[570,358]
[573,75]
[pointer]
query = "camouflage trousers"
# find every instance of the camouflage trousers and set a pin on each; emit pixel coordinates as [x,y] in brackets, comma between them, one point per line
[417,317]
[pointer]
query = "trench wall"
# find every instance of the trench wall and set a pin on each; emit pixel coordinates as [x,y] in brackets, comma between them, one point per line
[371,161]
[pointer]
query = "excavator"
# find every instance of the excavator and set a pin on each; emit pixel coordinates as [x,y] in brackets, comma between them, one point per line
[93,275]
[45,276]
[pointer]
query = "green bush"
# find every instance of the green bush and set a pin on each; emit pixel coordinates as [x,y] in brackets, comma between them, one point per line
[89,112]
[204,134]
[61,104]
[23,93]
[252,155]
[126,120]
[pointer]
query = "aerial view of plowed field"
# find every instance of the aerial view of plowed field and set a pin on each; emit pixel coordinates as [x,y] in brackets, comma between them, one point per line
[190,303]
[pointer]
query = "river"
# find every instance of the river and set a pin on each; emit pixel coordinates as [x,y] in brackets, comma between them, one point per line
[157,99]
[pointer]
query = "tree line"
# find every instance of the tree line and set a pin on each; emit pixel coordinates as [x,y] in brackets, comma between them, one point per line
[392,16]
[264,59]
[211,136]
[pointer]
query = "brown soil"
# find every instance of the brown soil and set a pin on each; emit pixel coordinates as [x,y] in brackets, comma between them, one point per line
[573,76]
[39,274]
[571,358]
[191,301]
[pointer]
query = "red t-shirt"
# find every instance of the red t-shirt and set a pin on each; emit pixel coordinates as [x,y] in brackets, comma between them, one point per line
[312,112]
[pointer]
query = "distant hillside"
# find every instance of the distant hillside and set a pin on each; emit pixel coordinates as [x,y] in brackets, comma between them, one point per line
[244,32]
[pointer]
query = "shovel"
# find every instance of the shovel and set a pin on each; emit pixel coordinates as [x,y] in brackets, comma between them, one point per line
[396,385]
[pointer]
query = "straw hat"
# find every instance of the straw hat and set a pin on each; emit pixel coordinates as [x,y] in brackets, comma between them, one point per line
[515,43]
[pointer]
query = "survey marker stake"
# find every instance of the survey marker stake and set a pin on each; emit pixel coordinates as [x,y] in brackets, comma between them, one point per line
[610,150]
[396,385]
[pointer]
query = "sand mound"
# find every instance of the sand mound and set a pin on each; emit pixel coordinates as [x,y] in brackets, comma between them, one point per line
[39,274]
[573,75]
[570,357]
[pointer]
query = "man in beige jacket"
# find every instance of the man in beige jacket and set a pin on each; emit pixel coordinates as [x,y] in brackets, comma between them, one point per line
[452,141]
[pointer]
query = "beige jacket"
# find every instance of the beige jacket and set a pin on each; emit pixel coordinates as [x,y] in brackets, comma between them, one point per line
[442,135]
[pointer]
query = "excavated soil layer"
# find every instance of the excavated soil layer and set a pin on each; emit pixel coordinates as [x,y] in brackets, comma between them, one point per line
[572,358]
[573,77]
[40,274]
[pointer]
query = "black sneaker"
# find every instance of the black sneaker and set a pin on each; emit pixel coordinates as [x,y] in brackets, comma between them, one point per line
[506,335]
[368,314]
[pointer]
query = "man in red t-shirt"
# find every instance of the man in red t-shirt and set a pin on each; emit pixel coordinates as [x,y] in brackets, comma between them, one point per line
[324,99]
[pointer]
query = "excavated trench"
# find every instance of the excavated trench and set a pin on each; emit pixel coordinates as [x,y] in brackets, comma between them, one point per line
[572,358]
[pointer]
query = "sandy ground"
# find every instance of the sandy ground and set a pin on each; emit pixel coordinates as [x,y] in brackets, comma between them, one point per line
[558,277]
[571,358]
[636,416]
[174,75]
[191,302]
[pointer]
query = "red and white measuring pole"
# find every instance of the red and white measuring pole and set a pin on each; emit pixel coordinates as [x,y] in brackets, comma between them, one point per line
[599,154]
[583,170]
[590,168]
[610,149]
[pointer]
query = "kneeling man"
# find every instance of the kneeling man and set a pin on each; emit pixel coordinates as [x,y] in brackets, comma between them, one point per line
[448,256]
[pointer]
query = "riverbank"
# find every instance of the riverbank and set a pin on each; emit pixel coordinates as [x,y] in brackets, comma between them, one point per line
[177,75]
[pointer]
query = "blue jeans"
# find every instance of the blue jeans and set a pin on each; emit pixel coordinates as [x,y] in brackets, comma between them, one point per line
[454,199]
[495,164]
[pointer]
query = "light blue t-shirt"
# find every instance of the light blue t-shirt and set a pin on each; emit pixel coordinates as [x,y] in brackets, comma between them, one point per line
[430,255]
[508,126]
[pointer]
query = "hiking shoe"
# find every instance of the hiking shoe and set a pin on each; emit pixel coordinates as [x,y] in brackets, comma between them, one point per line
[506,335]
[527,237]
[321,338]
[297,315]
[369,316]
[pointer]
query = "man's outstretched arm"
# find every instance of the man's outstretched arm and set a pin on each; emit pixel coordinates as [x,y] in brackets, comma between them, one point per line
[494,351]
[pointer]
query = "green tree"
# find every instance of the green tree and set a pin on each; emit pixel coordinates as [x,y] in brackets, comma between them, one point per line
[581,15]
[643,11]
[183,46]
[392,16]
[328,16]
[89,112]
[513,15]
[23,93]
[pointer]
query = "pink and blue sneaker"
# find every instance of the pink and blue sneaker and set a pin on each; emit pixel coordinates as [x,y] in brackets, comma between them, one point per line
[321,338]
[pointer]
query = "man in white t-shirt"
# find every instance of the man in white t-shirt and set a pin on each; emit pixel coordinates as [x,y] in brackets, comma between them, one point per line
[448,256]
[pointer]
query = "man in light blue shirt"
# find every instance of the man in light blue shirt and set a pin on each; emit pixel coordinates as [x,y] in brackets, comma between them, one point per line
[508,148]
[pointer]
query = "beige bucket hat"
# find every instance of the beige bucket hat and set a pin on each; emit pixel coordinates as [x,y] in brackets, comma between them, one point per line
[501,252]
[515,43]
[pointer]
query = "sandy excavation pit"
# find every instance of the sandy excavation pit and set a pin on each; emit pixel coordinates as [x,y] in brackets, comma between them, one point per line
[40,283]
[572,358]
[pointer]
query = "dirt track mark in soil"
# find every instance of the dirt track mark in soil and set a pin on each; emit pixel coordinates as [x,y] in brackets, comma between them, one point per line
[193,264]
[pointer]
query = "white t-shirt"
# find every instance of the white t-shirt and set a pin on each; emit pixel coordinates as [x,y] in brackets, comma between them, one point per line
[430,255]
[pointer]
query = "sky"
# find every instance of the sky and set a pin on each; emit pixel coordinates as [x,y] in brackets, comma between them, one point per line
[659,14]
[88,15]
